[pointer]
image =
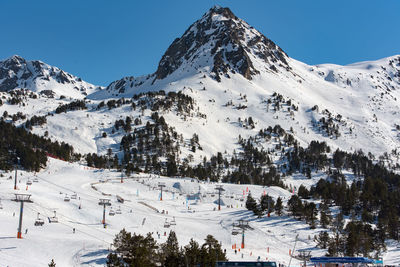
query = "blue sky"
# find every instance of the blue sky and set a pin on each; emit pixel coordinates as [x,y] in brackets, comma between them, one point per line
[102,41]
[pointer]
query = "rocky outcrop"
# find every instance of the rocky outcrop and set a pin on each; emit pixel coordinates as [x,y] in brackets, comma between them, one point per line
[230,44]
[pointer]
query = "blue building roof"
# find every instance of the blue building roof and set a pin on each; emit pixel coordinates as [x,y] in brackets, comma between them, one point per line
[341,260]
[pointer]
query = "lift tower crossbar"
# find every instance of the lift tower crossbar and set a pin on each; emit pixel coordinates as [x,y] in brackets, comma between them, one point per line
[161,186]
[22,198]
[104,202]
[219,189]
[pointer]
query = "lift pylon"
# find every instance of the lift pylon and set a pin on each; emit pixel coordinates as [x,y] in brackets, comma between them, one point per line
[104,202]
[161,186]
[243,226]
[219,189]
[22,198]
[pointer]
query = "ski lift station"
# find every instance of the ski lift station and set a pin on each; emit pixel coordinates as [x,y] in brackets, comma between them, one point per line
[246,264]
[341,261]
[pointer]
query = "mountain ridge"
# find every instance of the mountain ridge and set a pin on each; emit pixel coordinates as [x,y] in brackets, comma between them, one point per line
[39,77]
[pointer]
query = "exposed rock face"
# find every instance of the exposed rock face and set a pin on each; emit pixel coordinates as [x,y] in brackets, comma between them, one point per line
[228,44]
[16,72]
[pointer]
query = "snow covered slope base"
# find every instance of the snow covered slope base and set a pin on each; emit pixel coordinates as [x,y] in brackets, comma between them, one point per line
[90,244]
[224,100]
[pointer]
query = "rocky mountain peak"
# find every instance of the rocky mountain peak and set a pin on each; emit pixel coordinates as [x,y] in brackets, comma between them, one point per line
[16,72]
[224,42]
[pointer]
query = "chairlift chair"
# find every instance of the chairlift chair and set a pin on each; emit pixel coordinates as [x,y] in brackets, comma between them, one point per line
[29,182]
[111,213]
[235,232]
[74,196]
[166,223]
[53,219]
[173,222]
[38,221]
[66,198]
[35,180]
[118,211]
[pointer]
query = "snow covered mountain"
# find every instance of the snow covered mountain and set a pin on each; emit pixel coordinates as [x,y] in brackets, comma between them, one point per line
[225,64]
[232,72]
[36,76]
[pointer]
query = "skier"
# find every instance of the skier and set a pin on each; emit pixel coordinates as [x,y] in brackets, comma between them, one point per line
[73,230]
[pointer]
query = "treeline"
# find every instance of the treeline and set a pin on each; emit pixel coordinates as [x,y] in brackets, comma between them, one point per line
[75,105]
[16,142]
[35,121]
[372,199]
[138,250]
[157,102]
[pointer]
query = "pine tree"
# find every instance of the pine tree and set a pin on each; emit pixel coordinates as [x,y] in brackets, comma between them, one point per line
[171,254]
[279,206]
[192,253]
[251,204]
[325,215]
[322,239]
[211,252]
[52,263]
[266,202]
[134,250]
[171,166]
[295,206]
[114,261]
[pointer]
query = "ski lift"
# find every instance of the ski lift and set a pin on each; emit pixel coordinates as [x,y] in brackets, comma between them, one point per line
[66,198]
[39,221]
[53,219]
[173,222]
[74,196]
[111,212]
[35,180]
[118,211]
[166,223]
[29,182]
[212,195]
